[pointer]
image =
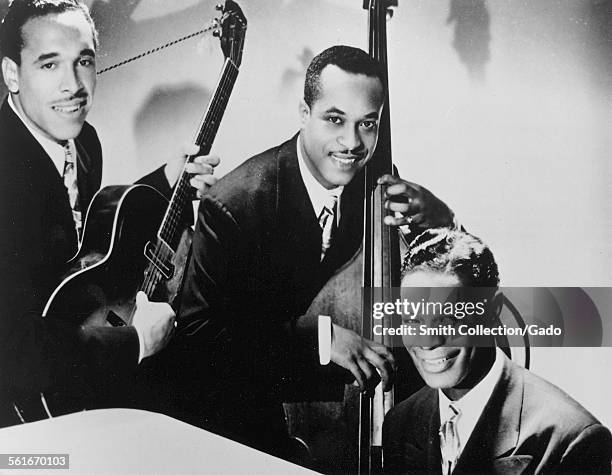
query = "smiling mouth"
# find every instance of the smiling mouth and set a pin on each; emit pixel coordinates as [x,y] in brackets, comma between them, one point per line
[438,361]
[69,108]
[438,365]
[345,160]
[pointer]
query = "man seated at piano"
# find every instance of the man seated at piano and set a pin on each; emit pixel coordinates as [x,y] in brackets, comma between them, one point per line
[479,411]
[51,164]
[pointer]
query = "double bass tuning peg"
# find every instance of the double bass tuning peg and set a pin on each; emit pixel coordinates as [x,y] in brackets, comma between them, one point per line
[218,7]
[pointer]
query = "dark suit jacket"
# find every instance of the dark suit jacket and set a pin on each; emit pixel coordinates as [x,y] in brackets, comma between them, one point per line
[255,269]
[528,426]
[37,238]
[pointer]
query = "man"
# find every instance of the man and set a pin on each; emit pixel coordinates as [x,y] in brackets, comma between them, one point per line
[268,237]
[480,412]
[50,160]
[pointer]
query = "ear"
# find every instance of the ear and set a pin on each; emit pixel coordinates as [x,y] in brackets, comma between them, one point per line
[10,71]
[495,306]
[304,112]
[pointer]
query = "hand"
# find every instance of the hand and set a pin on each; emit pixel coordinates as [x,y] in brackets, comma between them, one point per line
[417,205]
[202,169]
[369,362]
[154,322]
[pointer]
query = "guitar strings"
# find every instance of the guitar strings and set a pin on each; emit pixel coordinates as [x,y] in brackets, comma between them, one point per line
[161,253]
[205,137]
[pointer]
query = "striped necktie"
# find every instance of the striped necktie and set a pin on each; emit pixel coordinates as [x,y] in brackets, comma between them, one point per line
[449,442]
[327,219]
[70,182]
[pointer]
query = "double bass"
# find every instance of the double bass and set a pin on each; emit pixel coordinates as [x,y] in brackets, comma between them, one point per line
[346,436]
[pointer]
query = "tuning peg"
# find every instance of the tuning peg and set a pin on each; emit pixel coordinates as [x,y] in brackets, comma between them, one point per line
[216,33]
[219,7]
[390,13]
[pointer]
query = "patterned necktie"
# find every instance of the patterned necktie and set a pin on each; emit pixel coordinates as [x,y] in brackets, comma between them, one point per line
[327,219]
[449,442]
[70,182]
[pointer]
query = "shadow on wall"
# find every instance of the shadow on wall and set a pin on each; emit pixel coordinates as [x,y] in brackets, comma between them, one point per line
[601,21]
[293,75]
[472,35]
[114,22]
[158,130]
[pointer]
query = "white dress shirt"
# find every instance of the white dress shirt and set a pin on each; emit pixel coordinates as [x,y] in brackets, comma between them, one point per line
[54,150]
[472,404]
[319,195]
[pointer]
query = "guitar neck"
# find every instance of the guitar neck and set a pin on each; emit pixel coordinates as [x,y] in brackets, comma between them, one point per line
[173,223]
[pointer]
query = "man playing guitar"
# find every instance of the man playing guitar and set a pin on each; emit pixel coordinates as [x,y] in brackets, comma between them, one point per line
[52,165]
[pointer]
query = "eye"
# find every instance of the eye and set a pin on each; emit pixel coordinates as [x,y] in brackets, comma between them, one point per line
[369,124]
[334,120]
[48,66]
[87,62]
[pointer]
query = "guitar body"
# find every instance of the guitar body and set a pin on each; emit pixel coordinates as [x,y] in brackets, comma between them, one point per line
[111,264]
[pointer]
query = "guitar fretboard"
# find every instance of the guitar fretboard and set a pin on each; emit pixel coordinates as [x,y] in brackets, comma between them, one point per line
[173,223]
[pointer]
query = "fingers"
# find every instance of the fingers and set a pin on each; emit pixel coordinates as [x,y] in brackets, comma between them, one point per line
[418,219]
[357,373]
[196,168]
[141,298]
[374,365]
[384,362]
[212,160]
[201,182]
[202,169]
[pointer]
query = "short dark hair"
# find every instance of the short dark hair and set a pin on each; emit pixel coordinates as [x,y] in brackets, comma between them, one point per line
[453,252]
[347,58]
[20,11]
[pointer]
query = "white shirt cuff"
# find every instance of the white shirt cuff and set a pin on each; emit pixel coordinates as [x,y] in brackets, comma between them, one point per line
[325,338]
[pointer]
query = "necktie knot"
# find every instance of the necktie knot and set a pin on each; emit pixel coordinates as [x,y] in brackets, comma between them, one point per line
[70,182]
[327,220]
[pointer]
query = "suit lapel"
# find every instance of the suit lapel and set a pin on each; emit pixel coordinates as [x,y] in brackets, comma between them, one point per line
[296,214]
[48,184]
[434,456]
[349,234]
[496,432]
[83,171]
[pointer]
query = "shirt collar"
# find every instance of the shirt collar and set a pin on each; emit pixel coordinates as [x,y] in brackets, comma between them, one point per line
[55,150]
[317,193]
[472,404]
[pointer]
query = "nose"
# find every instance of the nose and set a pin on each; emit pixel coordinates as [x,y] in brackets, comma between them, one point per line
[424,341]
[71,81]
[350,139]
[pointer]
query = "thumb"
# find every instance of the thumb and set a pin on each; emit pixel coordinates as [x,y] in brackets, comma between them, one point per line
[141,298]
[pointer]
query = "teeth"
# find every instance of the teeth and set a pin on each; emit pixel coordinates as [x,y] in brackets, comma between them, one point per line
[439,361]
[67,109]
[344,161]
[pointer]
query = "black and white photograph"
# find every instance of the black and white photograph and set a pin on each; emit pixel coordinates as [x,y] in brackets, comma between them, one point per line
[306,236]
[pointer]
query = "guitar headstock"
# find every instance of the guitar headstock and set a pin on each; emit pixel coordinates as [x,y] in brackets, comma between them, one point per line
[231,30]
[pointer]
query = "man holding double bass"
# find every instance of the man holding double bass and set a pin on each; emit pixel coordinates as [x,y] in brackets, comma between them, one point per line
[51,166]
[268,237]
